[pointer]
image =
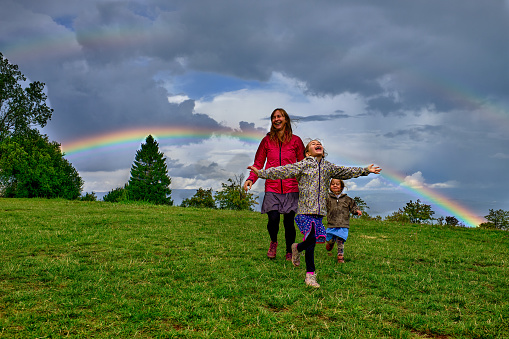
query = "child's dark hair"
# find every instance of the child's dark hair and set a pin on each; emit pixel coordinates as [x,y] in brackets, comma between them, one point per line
[341,181]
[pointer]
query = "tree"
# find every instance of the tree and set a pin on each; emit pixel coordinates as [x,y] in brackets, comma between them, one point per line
[233,196]
[362,206]
[117,195]
[149,175]
[448,221]
[31,166]
[20,108]
[498,219]
[418,212]
[452,221]
[201,199]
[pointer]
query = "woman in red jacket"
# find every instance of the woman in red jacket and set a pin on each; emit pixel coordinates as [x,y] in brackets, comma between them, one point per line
[279,147]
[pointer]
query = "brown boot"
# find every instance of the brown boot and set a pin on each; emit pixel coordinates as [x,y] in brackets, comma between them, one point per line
[295,255]
[272,250]
[340,259]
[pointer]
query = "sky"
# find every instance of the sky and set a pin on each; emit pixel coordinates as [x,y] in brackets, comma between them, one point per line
[419,88]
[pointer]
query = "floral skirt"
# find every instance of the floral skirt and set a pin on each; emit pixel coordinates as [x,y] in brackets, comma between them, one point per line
[305,222]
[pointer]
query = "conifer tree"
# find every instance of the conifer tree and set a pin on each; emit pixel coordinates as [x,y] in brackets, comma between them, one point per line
[149,179]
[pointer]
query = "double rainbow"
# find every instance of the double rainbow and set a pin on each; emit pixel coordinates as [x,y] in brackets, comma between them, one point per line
[134,137]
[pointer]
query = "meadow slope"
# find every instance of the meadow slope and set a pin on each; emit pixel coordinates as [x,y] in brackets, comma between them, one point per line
[75,269]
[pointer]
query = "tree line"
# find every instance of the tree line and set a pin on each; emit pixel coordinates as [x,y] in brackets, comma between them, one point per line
[32,166]
[149,181]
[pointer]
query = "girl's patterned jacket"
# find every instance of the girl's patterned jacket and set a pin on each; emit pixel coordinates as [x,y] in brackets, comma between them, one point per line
[313,177]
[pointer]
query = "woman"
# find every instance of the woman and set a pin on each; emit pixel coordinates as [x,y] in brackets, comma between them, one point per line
[279,147]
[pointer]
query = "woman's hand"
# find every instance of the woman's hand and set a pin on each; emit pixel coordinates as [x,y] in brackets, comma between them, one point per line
[247,185]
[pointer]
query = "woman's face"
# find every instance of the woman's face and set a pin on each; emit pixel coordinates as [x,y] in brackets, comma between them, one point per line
[278,120]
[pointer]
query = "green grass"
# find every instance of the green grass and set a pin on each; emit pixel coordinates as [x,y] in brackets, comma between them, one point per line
[74,269]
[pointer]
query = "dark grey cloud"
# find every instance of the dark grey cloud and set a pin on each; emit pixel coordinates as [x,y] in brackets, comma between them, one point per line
[320,117]
[419,133]
[200,171]
[402,56]
[250,127]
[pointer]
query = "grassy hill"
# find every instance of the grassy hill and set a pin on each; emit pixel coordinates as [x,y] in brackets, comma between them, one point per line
[100,270]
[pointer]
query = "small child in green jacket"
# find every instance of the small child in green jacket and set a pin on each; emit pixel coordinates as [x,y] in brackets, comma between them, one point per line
[339,207]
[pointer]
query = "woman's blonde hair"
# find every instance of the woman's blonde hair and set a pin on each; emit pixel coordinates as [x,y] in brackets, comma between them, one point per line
[287,134]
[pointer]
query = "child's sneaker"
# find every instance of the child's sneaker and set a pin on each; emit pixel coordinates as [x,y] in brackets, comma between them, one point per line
[272,250]
[311,280]
[288,256]
[329,245]
[295,255]
[340,259]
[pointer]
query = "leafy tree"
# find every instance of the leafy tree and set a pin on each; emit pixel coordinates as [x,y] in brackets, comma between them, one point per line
[117,195]
[201,199]
[418,212]
[149,175]
[361,204]
[451,221]
[233,196]
[31,166]
[20,108]
[498,219]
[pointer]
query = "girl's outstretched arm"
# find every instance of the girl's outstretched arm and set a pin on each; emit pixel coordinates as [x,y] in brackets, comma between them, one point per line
[374,169]
[254,169]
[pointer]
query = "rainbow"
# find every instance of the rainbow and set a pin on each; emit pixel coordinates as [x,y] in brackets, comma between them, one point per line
[447,206]
[132,138]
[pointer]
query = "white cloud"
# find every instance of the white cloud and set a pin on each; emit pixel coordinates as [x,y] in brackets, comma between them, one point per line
[447,184]
[375,184]
[256,105]
[500,155]
[104,181]
[177,99]
[415,180]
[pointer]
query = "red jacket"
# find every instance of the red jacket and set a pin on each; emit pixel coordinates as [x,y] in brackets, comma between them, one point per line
[278,154]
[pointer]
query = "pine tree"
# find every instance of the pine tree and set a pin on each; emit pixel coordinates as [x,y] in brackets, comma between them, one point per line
[149,179]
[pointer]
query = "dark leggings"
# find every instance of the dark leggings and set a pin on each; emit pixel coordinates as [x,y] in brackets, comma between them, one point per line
[308,245]
[273,228]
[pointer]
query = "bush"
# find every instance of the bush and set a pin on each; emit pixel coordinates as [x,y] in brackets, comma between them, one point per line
[117,195]
[233,196]
[88,197]
[201,199]
[498,219]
